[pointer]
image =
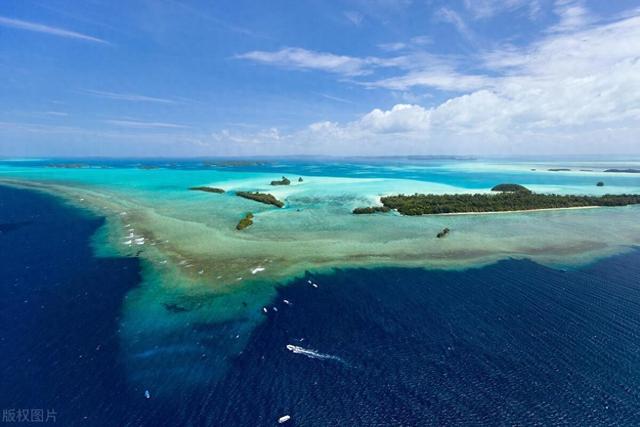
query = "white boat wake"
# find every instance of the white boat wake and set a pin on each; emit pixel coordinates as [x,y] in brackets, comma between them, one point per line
[313,354]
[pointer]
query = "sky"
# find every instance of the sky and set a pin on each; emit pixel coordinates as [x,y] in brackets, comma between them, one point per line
[181,78]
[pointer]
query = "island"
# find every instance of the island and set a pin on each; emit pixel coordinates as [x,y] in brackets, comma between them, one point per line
[445,231]
[511,188]
[245,222]
[623,170]
[425,204]
[283,181]
[559,170]
[207,189]
[233,163]
[600,184]
[371,210]
[265,198]
[300,179]
[68,165]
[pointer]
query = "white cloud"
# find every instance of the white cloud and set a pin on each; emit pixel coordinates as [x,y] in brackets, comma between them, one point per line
[452,17]
[421,40]
[392,47]
[402,118]
[303,59]
[442,79]
[482,9]
[335,98]
[309,60]
[144,125]
[423,69]
[354,17]
[413,43]
[573,16]
[128,97]
[45,29]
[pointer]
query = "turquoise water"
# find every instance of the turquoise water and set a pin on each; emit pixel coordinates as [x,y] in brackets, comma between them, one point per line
[466,174]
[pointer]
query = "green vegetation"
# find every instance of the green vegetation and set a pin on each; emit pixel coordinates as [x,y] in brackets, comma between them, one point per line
[207,189]
[443,233]
[511,188]
[283,181]
[600,184]
[245,222]
[371,210]
[266,198]
[300,179]
[624,170]
[424,204]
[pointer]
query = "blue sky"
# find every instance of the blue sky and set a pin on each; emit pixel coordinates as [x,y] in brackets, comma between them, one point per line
[201,78]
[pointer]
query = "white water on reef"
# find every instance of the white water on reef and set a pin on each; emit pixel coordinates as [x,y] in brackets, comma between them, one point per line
[204,281]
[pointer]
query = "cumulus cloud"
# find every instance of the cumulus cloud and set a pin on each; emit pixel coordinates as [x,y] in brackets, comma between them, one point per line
[578,78]
[400,119]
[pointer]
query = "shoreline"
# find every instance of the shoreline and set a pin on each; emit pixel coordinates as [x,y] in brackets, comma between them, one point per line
[514,211]
[379,200]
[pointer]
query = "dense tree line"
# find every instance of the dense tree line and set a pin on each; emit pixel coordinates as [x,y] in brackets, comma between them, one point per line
[207,189]
[510,187]
[370,210]
[267,198]
[421,204]
[245,222]
[283,181]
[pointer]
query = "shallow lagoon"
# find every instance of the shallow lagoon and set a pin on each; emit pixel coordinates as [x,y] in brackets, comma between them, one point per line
[315,228]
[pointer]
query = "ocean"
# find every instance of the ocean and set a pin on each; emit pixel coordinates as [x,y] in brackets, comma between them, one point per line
[513,342]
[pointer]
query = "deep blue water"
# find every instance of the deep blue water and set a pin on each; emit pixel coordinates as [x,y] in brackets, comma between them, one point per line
[514,343]
[59,313]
